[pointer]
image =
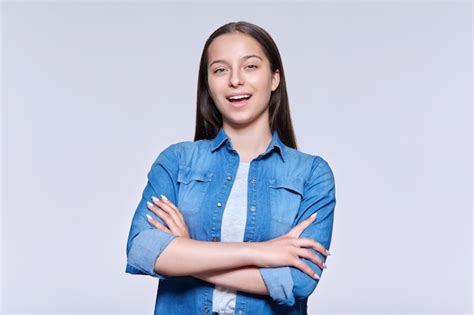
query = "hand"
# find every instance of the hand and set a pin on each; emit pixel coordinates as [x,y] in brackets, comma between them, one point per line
[171,216]
[286,250]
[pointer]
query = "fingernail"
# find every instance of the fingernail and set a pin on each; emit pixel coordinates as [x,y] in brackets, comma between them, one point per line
[314,215]
[324,265]
[163,197]
[149,217]
[329,254]
[149,204]
[155,199]
[316,276]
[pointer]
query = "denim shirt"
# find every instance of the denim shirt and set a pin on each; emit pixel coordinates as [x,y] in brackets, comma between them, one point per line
[285,187]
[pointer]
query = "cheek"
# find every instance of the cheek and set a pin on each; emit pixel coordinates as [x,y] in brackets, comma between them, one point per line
[213,93]
[214,87]
[261,83]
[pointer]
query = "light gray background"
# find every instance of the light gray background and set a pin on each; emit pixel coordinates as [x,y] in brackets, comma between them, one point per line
[93,91]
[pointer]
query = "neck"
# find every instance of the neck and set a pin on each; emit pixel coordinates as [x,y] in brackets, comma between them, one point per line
[251,141]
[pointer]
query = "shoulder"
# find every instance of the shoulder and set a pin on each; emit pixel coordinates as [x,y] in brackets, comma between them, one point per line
[313,166]
[183,150]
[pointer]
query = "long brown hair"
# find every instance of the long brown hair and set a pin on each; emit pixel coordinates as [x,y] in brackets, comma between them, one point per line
[208,117]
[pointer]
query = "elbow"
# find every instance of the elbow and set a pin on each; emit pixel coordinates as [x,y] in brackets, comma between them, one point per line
[305,288]
[279,284]
[304,285]
[145,250]
[135,258]
[135,266]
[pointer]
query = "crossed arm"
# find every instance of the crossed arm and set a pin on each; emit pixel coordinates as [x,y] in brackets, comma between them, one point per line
[238,266]
[244,279]
[228,264]
[233,265]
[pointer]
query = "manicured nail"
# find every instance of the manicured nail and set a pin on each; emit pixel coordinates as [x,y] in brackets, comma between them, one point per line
[155,199]
[324,265]
[163,197]
[329,254]
[316,276]
[149,204]
[149,217]
[314,215]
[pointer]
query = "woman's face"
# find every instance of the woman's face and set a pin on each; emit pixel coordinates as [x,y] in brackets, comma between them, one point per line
[237,69]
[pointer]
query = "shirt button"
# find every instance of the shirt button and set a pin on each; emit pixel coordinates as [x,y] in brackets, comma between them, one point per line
[205,309]
[240,313]
[253,181]
[229,178]
[253,208]
[219,204]
[214,238]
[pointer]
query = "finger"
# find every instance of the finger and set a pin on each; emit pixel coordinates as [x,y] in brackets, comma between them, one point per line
[172,205]
[165,205]
[175,221]
[157,224]
[166,209]
[300,227]
[306,269]
[306,253]
[168,220]
[178,213]
[309,242]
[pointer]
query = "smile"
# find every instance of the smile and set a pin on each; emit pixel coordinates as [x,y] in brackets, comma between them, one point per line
[239,100]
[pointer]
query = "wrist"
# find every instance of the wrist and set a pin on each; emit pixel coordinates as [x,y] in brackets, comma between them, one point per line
[252,252]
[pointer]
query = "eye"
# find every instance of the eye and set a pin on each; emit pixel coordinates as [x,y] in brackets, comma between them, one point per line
[252,67]
[219,70]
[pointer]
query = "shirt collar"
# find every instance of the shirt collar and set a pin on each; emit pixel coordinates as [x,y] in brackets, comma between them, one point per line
[222,138]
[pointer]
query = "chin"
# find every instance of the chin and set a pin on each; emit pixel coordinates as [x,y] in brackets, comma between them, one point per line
[240,123]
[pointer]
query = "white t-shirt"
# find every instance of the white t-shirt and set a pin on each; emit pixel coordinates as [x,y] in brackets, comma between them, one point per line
[232,230]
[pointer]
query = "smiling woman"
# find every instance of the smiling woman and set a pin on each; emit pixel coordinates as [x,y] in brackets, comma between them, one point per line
[244,221]
[238,58]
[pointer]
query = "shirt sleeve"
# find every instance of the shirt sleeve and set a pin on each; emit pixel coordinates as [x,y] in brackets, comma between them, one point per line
[145,242]
[285,284]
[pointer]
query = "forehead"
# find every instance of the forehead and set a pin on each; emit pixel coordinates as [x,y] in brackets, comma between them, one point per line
[234,46]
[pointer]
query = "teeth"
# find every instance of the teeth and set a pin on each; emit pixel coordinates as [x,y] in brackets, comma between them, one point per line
[238,97]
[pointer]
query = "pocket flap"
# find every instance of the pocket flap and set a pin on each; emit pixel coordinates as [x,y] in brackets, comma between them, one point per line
[295,184]
[186,175]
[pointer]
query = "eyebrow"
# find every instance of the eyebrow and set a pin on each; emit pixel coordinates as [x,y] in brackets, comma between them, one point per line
[243,58]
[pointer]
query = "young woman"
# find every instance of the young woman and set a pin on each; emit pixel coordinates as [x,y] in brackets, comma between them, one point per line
[237,221]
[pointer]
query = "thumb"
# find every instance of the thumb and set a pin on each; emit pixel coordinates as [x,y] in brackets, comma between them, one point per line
[300,227]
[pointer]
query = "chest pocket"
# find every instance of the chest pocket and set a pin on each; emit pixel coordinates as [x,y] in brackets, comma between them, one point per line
[285,199]
[193,187]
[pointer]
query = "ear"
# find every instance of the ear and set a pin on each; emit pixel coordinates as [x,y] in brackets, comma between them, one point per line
[275,80]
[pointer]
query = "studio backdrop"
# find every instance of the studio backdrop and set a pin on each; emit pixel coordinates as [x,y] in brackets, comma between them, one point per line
[93,91]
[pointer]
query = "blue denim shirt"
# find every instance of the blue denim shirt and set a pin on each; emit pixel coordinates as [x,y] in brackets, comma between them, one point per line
[285,186]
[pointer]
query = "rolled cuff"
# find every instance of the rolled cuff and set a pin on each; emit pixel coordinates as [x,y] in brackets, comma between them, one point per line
[145,249]
[279,284]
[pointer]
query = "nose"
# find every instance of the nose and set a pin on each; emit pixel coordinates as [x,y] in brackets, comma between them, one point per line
[235,79]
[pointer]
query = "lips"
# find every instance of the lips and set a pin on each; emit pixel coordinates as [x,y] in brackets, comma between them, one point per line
[239,101]
[235,98]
